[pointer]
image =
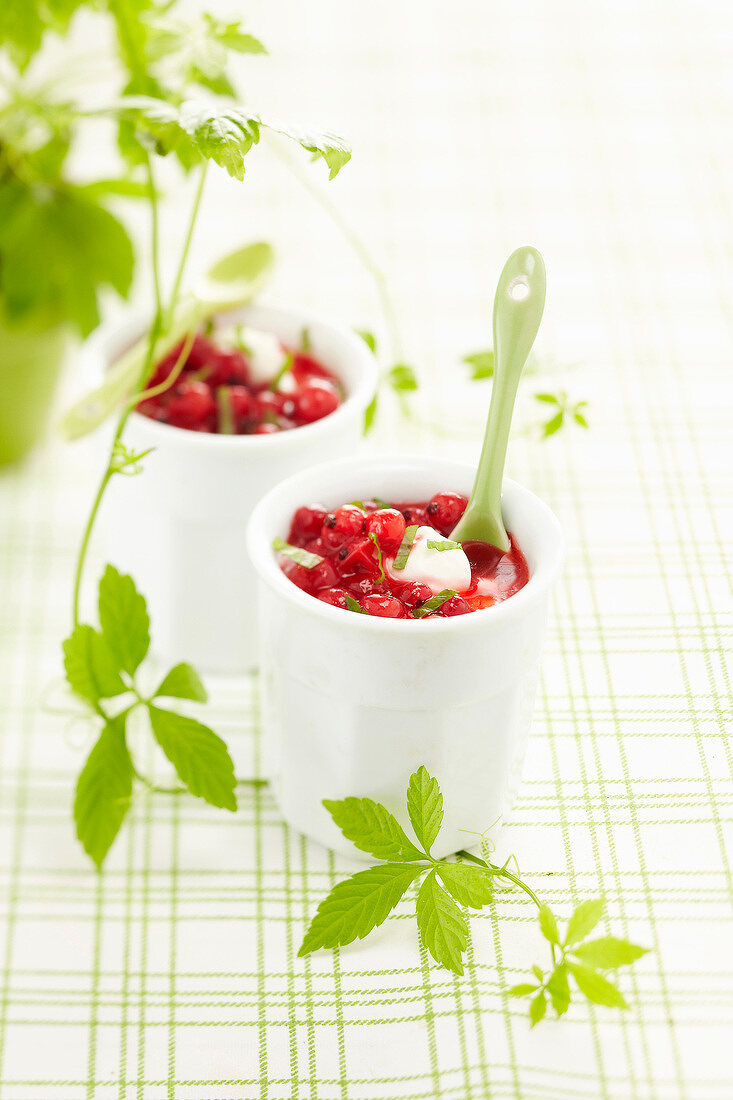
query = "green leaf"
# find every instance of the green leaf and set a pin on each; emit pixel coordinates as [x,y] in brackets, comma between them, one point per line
[442,926]
[434,603]
[369,339]
[296,554]
[400,560]
[597,988]
[539,975]
[481,363]
[608,952]
[91,669]
[580,419]
[425,806]
[117,188]
[583,920]
[468,884]
[195,130]
[402,378]
[357,905]
[354,605]
[548,398]
[370,414]
[554,424]
[183,682]
[198,755]
[443,544]
[59,248]
[103,791]
[123,616]
[548,925]
[522,990]
[559,989]
[372,828]
[537,1008]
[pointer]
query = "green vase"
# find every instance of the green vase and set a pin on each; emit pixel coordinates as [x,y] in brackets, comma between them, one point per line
[31,358]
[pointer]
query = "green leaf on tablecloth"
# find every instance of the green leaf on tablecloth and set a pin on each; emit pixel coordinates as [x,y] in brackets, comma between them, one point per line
[425,806]
[559,989]
[402,378]
[103,791]
[123,616]
[597,988]
[538,1008]
[200,757]
[92,671]
[608,952]
[481,364]
[372,828]
[553,424]
[359,904]
[469,885]
[583,920]
[442,925]
[548,925]
[369,339]
[522,990]
[370,414]
[183,682]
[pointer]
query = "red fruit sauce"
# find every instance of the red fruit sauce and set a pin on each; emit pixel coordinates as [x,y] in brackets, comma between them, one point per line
[351,539]
[215,393]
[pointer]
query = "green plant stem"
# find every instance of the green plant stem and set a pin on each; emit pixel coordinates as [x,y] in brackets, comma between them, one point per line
[357,245]
[155,236]
[502,872]
[155,331]
[187,242]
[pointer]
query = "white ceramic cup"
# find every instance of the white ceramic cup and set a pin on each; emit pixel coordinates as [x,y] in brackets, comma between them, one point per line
[179,528]
[353,704]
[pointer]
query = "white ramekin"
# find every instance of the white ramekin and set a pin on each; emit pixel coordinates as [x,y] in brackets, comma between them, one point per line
[353,704]
[179,528]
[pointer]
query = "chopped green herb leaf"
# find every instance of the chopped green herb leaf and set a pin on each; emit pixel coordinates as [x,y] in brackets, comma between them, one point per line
[443,544]
[226,414]
[373,538]
[297,554]
[381,503]
[287,365]
[405,546]
[358,504]
[305,339]
[434,603]
[354,605]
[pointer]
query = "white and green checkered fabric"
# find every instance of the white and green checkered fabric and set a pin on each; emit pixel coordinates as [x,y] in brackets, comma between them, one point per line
[601,134]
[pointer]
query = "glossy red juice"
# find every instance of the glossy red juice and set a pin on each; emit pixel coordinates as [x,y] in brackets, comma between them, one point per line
[356,546]
[215,391]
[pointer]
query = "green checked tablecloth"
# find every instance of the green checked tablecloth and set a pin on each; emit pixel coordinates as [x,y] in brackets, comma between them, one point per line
[602,134]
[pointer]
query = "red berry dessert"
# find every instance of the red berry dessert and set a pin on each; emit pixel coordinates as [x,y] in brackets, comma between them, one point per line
[243,383]
[396,561]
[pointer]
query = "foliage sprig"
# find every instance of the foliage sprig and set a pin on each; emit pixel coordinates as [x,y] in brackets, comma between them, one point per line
[362,902]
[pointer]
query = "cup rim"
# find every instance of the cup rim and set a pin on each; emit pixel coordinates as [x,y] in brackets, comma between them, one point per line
[260,533]
[104,345]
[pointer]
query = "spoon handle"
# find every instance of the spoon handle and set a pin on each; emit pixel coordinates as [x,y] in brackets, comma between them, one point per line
[518,307]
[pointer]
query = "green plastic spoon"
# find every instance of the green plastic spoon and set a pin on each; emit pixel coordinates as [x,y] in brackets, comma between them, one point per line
[518,306]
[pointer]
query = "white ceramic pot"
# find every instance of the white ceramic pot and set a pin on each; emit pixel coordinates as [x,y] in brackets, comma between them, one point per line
[179,528]
[353,704]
